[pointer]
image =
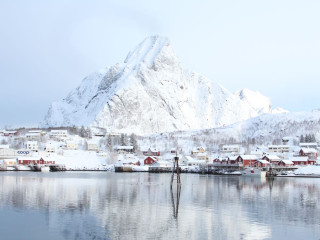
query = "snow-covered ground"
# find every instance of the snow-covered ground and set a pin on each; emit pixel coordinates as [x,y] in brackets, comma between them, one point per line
[308,170]
[80,160]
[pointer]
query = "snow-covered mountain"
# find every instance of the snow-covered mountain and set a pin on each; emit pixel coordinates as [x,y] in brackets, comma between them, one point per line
[150,92]
[261,130]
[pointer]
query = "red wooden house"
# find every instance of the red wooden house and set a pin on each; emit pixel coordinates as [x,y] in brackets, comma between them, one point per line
[150,160]
[310,152]
[301,160]
[273,159]
[285,163]
[10,133]
[247,160]
[151,152]
[261,163]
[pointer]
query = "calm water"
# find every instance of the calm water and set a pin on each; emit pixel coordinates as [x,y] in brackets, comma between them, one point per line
[141,206]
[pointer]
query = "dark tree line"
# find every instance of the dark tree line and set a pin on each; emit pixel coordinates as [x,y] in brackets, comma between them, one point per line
[308,138]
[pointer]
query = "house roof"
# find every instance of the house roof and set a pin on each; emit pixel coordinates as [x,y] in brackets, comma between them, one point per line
[248,157]
[272,157]
[124,147]
[308,150]
[33,134]
[153,158]
[286,161]
[278,146]
[298,159]
[263,161]
[189,158]
[308,144]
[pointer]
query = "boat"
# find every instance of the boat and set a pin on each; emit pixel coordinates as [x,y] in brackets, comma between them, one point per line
[23,168]
[45,169]
[253,172]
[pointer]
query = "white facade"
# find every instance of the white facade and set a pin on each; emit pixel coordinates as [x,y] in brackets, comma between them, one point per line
[278,148]
[33,136]
[32,146]
[59,133]
[50,147]
[93,146]
[231,148]
[72,145]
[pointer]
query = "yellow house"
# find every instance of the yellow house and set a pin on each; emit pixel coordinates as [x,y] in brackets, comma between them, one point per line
[72,145]
[203,156]
[198,150]
[10,162]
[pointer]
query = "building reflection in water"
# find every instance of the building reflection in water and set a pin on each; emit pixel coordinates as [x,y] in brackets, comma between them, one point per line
[142,206]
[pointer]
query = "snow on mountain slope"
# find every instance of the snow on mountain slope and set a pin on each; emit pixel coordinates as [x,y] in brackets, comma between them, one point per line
[150,92]
[262,130]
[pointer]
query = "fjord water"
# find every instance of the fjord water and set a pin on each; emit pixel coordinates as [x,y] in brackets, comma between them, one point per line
[106,205]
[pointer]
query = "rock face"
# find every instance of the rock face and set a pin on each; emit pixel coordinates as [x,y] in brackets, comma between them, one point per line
[149,93]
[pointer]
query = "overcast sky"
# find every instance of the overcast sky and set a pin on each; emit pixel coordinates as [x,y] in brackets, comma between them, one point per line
[48,47]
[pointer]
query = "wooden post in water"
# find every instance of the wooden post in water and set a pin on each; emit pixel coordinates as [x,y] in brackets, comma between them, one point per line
[177,170]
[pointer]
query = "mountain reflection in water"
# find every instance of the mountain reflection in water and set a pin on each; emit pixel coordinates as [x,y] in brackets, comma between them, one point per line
[102,205]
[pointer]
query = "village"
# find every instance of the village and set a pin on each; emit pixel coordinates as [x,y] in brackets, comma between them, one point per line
[82,150]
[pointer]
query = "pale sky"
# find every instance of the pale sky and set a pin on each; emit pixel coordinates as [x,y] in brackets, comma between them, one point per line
[48,47]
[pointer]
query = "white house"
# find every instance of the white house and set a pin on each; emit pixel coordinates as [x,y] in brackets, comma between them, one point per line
[32,146]
[50,147]
[92,146]
[231,149]
[278,148]
[59,133]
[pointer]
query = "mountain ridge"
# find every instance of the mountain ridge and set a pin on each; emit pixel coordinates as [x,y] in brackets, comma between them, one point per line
[150,92]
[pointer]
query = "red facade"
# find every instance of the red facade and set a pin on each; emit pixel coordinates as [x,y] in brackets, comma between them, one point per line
[9,134]
[34,162]
[150,160]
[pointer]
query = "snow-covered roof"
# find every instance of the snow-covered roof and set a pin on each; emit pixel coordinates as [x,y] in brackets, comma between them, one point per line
[272,157]
[4,146]
[230,146]
[153,158]
[10,132]
[29,158]
[308,144]
[32,134]
[35,131]
[198,162]
[248,157]
[59,131]
[298,159]
[189,158]
[232,158]
[263,161]
[309,150]
[278,146]
[287,162]
[124,147]
[32,142]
